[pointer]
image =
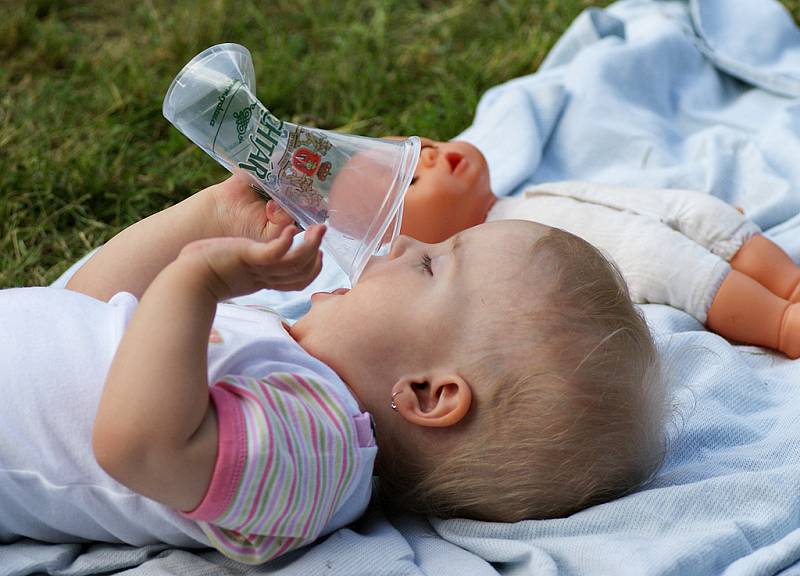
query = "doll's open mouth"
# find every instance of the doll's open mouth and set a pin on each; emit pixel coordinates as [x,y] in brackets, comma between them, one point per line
[454,158]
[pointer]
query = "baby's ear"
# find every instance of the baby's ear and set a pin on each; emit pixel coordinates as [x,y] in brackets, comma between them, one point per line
[433,400]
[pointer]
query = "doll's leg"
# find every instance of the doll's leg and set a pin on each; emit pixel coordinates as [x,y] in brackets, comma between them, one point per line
[763,260]
[720,228]
[745,311]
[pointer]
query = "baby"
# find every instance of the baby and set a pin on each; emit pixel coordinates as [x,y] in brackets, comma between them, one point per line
[500,374]
[677,247]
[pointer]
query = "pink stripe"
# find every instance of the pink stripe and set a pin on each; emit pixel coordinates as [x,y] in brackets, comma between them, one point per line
[293,487]
[311,417]
[230,460]
[341,432]
[298,424]
[252,470]
[301,509]
[246,549]
[281,474]
[288,542]
[318,479]
[236,511]
[245,473]
[343,472]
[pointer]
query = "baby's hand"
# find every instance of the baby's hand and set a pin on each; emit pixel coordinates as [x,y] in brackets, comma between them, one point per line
[238,266]
[239,210]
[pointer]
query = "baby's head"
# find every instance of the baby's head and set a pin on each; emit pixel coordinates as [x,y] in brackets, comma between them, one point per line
[524,382]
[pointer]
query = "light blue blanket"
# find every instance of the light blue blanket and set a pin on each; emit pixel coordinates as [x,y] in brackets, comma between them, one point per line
[702,95]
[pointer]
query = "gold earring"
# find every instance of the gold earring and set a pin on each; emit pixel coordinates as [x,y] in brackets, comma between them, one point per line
[394,406]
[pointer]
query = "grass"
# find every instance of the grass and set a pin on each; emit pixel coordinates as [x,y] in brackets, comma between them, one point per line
[85,151]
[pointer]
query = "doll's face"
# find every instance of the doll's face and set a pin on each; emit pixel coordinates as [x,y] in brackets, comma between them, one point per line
[450,165]
[450,191]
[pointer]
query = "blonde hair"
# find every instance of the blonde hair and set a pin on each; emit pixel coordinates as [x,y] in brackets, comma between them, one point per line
[576,409]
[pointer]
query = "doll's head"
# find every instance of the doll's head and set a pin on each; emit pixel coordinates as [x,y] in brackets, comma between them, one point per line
[450,191]
[524,381]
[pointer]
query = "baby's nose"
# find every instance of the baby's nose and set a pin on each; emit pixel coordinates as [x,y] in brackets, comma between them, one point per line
[428,156]
[399,245]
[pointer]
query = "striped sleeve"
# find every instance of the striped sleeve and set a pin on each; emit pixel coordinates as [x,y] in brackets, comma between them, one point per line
[287,456]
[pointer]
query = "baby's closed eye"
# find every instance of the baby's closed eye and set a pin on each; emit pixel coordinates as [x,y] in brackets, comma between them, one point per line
[426,264]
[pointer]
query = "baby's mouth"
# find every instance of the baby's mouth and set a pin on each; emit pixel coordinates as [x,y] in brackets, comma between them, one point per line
[338,291]
[454,159]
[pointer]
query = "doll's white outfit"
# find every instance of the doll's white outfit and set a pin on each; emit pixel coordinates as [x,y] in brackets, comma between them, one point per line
[295,452]
[672,246]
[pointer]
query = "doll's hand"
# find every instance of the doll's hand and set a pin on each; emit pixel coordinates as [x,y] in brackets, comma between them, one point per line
[240,211]
[233,267]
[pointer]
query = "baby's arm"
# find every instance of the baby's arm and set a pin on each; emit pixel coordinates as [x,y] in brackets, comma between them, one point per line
[132,258]
[155,429]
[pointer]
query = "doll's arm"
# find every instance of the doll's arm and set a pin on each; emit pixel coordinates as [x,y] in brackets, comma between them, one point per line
[155,430]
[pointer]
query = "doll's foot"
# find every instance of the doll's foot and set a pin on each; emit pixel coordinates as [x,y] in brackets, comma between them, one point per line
[767,263]
[789,338]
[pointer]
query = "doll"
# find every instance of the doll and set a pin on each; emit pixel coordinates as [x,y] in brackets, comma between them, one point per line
[686,249]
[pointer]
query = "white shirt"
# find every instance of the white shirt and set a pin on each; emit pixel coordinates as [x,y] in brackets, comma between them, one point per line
[55,349]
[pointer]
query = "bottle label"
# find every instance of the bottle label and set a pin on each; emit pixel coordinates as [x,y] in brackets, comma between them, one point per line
[267,146]
[295,164]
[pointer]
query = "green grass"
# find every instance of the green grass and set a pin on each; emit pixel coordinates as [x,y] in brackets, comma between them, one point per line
[85,151]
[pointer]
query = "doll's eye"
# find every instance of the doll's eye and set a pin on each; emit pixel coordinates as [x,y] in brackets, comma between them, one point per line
[413,180]
[426,264]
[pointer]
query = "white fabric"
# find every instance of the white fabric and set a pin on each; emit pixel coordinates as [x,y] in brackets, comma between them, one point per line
[672,246]
[57,346]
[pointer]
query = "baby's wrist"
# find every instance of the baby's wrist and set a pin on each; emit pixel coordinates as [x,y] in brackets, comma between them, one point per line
[211,222]
[193,271]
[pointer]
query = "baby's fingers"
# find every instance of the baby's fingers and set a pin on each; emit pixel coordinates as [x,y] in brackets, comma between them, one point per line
[277,220]
[303,258]
[298,261]
[271,252]
[277,215]
[295,270]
